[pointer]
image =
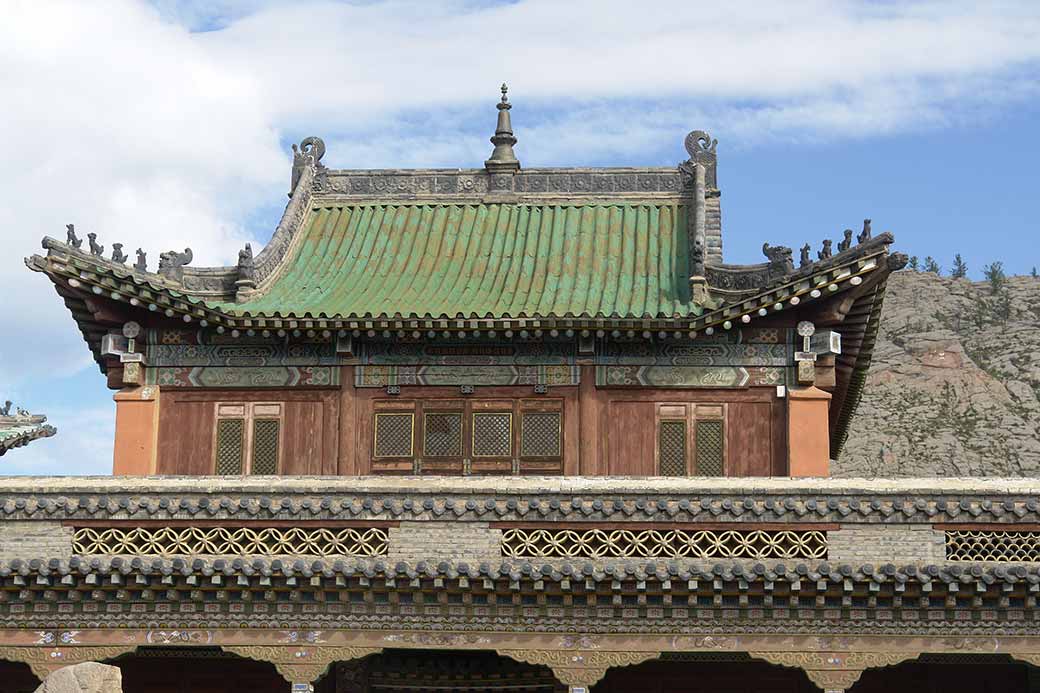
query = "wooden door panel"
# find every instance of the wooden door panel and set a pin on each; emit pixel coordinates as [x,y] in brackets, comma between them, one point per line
[304,436]
[631,439]
[749,439]
[185,437]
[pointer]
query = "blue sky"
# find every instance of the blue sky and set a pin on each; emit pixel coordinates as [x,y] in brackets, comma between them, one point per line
[168,124]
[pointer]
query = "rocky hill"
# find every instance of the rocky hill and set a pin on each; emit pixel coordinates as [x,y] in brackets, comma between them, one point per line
[954,387]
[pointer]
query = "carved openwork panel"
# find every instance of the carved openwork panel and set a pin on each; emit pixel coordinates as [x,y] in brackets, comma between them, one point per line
[540,433]
[493,434]
[710,439]
[265,446]
[394,434]
[992,545]
[671,447]
[627,543]
[230,444]
[220,541]
[442,434]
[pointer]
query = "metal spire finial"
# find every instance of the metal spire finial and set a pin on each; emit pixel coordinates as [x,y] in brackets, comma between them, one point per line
[502,157]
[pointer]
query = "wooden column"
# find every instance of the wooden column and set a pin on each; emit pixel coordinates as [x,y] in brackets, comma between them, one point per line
[137,431]
[591,435]
[347,424]
[808,432]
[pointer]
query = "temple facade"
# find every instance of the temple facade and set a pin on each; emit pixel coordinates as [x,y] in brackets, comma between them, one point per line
[481,430]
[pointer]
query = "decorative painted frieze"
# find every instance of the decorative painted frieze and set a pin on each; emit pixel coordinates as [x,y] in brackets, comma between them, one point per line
[690,376]
[381,376]
[249,376]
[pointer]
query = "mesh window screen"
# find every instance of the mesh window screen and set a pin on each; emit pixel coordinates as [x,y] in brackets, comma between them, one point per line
[394,435]
[265,446]
[493,435]
[540,434]
[709,448]
[229,445]
[442,435]
[671,448]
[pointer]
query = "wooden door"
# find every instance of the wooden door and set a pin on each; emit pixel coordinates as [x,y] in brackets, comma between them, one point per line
[630,443]
[749,437]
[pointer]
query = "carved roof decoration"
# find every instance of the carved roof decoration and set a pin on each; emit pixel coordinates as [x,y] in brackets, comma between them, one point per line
[541,499]
[19,427]
[549,570]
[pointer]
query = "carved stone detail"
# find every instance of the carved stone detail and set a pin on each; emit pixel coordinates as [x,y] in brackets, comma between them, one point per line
[171,264]
[117,253]
[307,154]
[579,667]
[71,238]
[96,248]
[864,235]
[701,148]
[825,253]
[780,262]
[87,677]
[846,242]
[301,664]
[246,282]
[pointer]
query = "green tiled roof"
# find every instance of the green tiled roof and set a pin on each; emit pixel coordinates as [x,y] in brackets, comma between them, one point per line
[501,260]
[15,433]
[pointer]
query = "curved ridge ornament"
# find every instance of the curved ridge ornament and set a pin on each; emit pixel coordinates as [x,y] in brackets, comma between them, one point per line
[306,155]
[313,147]
[699,141]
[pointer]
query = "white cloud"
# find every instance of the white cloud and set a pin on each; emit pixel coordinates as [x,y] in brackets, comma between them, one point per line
[118,118]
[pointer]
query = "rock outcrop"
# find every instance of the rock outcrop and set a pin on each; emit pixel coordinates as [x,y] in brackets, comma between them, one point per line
[88,677]
[954,384]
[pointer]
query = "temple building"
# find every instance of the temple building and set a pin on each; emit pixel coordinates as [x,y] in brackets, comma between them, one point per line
[481,430]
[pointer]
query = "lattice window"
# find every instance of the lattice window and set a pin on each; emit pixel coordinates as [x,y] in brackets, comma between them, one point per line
[540,433]
[224,541]
[248,437]
[493,434]
[671,448]
[266,434]
[671,543]
[990,545]
[442,434]
[394,434]
[230,446]
[710,460]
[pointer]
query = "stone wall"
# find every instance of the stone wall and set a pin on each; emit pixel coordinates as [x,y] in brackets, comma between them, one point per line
[472,542]
[20,539]
[857,544]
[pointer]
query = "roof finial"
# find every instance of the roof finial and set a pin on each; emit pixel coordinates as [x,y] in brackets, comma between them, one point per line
[503,158]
